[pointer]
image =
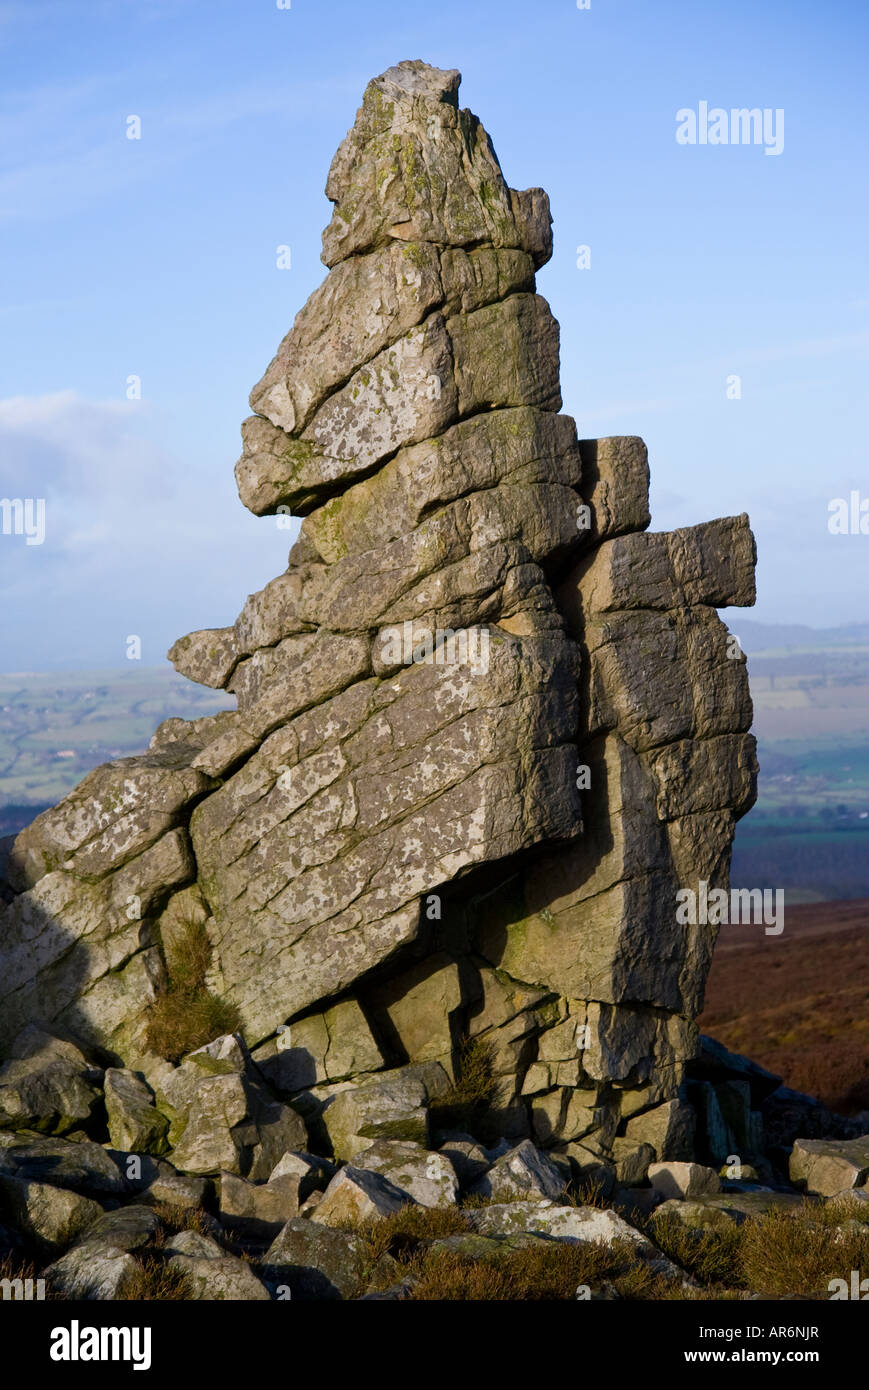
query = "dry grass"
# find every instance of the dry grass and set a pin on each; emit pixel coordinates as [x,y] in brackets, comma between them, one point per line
[471,1201]
[390,1243]
[552,1270]
[781,1254]
[475,1089]
[188,956]
[785,1253]
[174,1219]
[187,1016]
[711,1256]
[156,1282]
[16,1267]
[588,1192]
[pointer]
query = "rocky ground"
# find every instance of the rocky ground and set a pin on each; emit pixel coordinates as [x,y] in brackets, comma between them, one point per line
[217,1189]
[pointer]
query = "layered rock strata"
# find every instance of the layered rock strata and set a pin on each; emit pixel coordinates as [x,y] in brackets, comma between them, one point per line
[487,724]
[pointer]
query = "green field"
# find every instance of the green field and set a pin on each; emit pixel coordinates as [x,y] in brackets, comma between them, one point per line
[55,727]
[809,832]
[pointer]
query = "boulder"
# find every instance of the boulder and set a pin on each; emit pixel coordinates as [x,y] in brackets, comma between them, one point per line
[828,1166]
[574,1224]
[135,1124]
[49,1088]
[81,1166]
[222,1117]
[180,1190]
[312,1172]
[314,1261]
[731,1209]
[258,1210]
[392,1106]
[683,1180]
[521,1173]
[211,1274]
[469,1159]
[355,1195]
[427,1176]
[98,1273]
[668,1128]
[125,1228]
[50,1216]
[632,1161]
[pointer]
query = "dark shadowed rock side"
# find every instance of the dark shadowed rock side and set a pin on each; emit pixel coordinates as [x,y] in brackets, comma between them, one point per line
[487,726]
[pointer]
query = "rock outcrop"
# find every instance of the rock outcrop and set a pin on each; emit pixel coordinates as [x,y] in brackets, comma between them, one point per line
[487,727]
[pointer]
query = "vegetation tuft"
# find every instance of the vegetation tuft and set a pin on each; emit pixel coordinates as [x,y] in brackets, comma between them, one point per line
[157,1282]
[475,1089]
[780,1254]
[187,1015]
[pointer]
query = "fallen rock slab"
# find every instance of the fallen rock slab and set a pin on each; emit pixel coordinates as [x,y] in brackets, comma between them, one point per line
[50,1216]
[355,1195]
[828,1166]
[427,1176]
[81,1166]
[135,1123]
[683,1180]
[524,1171]
[314,1261]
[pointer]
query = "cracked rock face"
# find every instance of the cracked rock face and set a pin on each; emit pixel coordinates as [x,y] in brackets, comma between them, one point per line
[487,724]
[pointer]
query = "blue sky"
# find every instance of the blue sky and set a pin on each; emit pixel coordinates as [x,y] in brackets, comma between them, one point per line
[157,258]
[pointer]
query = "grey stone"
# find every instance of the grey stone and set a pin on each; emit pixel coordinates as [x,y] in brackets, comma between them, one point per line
[258,1210]
[469,1159]
[428,1176]
[314,1261]
[97,1273]
[575,1225]
[730,1209]
[391,1107]
[78,1165]
[355,1194]
[520,1173]
[46,1092]
[180,1190]
[828,1166]
[683,1180]
[220,1278]
[668,1128]
[223,1118]
[50,1216]
[313,1172]
[135,1124]
[126,1228]
[632,1161]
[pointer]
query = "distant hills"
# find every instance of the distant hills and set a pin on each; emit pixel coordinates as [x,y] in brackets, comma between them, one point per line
[756,637]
